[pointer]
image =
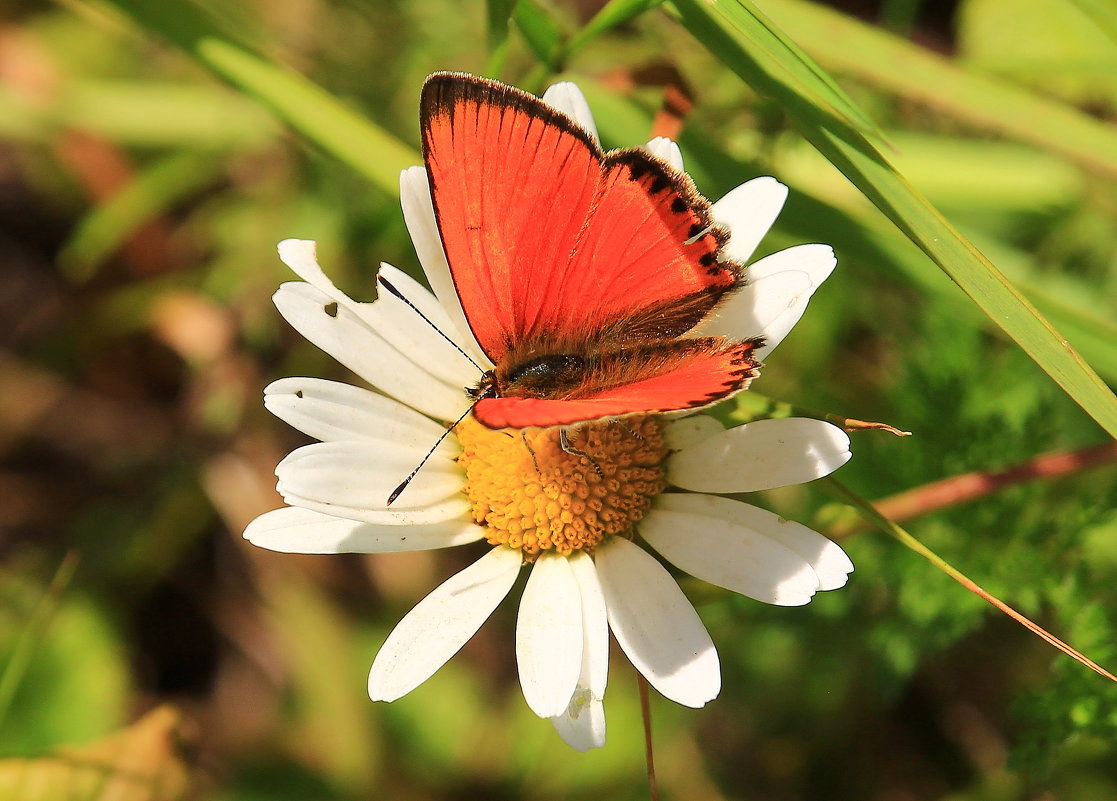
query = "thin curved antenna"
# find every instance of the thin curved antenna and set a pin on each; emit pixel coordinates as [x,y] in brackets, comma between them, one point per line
[403,484]
[387,285]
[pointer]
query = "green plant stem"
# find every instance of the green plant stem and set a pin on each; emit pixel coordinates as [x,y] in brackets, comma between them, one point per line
[33,632]
[872,515]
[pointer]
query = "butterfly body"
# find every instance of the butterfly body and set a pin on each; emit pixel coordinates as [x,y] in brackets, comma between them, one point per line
[580,272]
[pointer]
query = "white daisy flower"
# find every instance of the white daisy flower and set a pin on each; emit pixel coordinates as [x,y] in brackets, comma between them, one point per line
[535,502]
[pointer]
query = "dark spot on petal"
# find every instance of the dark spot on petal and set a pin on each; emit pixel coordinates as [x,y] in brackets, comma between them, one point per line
[298,393]
[330,309]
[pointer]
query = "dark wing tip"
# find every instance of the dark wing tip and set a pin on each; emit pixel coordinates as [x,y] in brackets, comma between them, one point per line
[443,92]
[662,176]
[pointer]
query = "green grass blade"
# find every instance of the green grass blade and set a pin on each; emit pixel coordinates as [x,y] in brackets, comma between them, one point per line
[805,72]
[872,516]
[852,47]
[612,14]
[33,633]
[306,107]
[542,34]
[1103,13]
[498,15]
[108,225]
[729,31]
[498,23]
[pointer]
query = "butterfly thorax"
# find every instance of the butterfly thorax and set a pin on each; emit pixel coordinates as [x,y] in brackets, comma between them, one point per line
[538,377]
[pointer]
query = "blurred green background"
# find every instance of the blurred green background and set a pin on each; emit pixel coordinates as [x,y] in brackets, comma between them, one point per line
[140,202]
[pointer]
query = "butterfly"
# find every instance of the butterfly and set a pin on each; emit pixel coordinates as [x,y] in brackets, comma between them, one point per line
[579,271]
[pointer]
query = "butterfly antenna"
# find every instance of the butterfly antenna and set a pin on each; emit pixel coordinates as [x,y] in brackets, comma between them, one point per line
[387,285]
[403,484]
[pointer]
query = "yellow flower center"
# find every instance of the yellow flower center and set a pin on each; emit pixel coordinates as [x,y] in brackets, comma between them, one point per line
[534,494]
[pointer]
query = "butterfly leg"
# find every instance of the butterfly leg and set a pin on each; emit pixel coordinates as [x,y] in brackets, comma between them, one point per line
[531,450]
[635,434]
[564,443]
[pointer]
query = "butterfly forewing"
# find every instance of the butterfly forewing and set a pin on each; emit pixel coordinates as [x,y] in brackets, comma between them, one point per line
[547,236]
[513,183]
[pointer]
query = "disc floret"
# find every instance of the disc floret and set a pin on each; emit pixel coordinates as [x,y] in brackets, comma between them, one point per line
[534,494]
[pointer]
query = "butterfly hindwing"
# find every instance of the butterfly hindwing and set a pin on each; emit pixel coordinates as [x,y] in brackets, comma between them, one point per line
[663,376]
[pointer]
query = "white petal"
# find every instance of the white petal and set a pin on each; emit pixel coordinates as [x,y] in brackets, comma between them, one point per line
[780,287]
[829,561]
[762,455]
[441,624]
[582,723]
[667,150]
[656,626]
[301,255]
[418,214]
[826,558]
[753,309]
[815,260]
[582,726]
[341,332]
[749,211]
[295,530]
[713,539]
[453,508]
[685,431]
[595,625]
[332,411]
[409,333]
[549,636]
[568,98]
[780,326]
[363,474]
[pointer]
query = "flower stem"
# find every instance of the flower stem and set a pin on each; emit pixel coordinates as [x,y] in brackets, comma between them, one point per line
[649,748]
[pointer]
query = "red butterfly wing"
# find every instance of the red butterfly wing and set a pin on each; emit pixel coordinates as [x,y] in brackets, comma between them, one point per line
[547,236]
[667,376]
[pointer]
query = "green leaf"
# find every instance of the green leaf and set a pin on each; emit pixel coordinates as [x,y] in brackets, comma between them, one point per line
[849,46]
[612,14]
[33,633]
[794,67]
[107,226]
[731,32]
[1047,44]
[306,107]
[149,114]
[542,34]
[498,17]
[1104,15]
[499,12]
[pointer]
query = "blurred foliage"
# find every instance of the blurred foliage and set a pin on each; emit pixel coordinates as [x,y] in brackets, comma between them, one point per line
[141,198]
[144,762]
